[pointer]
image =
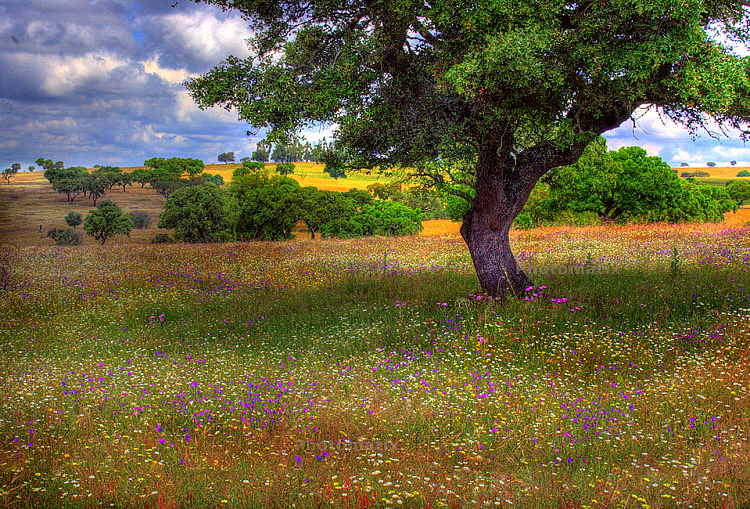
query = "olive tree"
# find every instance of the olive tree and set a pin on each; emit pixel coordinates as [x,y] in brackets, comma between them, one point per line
[493,93]
[107,220]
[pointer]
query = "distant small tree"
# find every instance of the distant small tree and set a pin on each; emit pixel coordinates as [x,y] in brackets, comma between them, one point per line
[141,175]
[710,164]
[254,165]
[16,167]
[336,172]
[72,183]
[262,151]
[383,191]
[695,174]
[9,173]
[684,165]
[743,173]
[243,159]
[226,157]
[45,164]
[32,168]
[96,185]
[733,163]
[176,165]
[167,187]
[112,174]
[247,168]
[74,218]
[285,168]
[107,220]
[261,155]
[125,180]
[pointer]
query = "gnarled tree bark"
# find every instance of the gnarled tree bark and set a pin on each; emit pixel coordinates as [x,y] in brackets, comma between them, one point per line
[486,225]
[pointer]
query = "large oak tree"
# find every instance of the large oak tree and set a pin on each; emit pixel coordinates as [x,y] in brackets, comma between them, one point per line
[508,88]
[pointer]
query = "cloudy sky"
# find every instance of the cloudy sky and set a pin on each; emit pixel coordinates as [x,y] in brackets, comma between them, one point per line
[100,82]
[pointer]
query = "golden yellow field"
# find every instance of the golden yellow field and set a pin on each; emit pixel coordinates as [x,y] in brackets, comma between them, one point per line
[724,172]
[307,174]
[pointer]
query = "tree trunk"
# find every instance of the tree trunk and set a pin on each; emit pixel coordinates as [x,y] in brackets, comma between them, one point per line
[500,195]
[489,244]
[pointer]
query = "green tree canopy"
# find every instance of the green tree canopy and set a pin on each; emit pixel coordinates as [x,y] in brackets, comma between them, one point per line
[215,179]
[74,219]
[247,168]
[107,220]
[9,173]
[198,214]
[285,168]
[176,166]
[226,157]
[611,184]
[511,88]
[97,183]
[316,207]
[739,190]
[141,175]
[267,207]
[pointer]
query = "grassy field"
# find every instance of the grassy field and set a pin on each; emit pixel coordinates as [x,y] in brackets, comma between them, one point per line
[370,372]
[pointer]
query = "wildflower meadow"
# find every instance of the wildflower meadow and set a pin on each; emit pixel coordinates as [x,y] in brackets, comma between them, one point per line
[372,373]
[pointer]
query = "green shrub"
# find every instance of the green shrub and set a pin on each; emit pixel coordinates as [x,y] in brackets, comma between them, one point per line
[381,218]
[54,233]
[107,220]
[162,238]
[266,206]
[744,173]
[358,196]
[66,237]
[141,219]
[342,228]
[69,237]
